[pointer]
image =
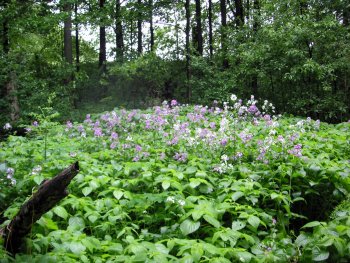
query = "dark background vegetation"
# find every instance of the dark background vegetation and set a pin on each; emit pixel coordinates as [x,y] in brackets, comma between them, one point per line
[293,53]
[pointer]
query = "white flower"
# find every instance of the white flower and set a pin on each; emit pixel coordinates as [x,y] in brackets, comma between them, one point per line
[182,202]
[233,97]
[224,158]
[170,199]
[7,126]
[129,138]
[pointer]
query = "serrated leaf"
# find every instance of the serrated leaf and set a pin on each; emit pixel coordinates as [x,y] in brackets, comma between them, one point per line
[254,221]
[235,196]
[61,212]
[86,191]
[211,220]
[118,194]
[188,226]
[238,225]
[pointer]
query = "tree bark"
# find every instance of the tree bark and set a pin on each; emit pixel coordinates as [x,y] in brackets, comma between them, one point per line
[77,44]
[198,38]
[151,29]
[188,56]
[102,54]
[210,22]
[239,14]
[139,27]
[119,33]
[11,90]
[68,51]
[48,195]
[256,6]
[223,34]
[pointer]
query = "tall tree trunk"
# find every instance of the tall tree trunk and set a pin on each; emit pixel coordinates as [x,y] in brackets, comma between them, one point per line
[198,38]
[119,33]
[102,54]
[77,44]
[346,15]
[139,27]
[151,29]
[9,90]
[239,14]
[188,57]
[223,34]
[256,6]
[210,21]
[67,41]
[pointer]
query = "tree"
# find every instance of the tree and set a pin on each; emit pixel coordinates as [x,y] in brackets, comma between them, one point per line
[188,56]
[151,29]
[239,14]
[77,46]
[119,32]
[102,54]
[223,34]
[139,27]
[210,23]
[198,38]
[67,39]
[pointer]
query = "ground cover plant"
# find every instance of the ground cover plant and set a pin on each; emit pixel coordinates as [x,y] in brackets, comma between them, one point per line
[179,183]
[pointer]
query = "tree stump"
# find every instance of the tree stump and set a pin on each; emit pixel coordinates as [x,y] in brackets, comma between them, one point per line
[48,195]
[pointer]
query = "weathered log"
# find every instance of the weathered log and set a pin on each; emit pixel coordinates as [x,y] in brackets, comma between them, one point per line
[48,195]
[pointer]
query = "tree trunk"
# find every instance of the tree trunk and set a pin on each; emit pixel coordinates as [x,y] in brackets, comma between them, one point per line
[210,21]
[256,6]
[223,34]
[188,57]
[77,46]
[139,27]
[346,15]
[151,29]
[239,14]
[119,33]
[48,195]
[11,90]
[102,54]
[198,38]
[67,41]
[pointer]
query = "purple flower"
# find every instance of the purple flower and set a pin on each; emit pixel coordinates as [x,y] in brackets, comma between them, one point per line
[114,135]
[138,148]
[173,103]
[162,156]
[80,128]
[35,124]
[224,141]
[252,109]
[69,125]
[7,126]
[113,145]
[296,151]
[212,125]
[181,157]
[98,132]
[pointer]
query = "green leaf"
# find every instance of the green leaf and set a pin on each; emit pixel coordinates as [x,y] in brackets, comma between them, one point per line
[165,185]
[197,214]
[188,226]
[238,225]
[76,223]
[211,220]
[194,183]
[235,196]
[38,179]
[61,212]
[312,224]
[118,194]
[254,221]
[191,170]
[319,255]
[86,191]
[76,247]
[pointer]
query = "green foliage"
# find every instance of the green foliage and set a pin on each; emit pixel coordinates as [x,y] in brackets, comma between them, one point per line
[187,183]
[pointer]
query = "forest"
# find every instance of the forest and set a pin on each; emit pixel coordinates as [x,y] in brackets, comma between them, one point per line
[175,131]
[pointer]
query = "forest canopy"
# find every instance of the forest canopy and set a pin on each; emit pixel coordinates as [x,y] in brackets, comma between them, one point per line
[138,53]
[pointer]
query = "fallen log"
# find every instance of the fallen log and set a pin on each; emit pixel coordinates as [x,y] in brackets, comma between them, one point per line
[48,195]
